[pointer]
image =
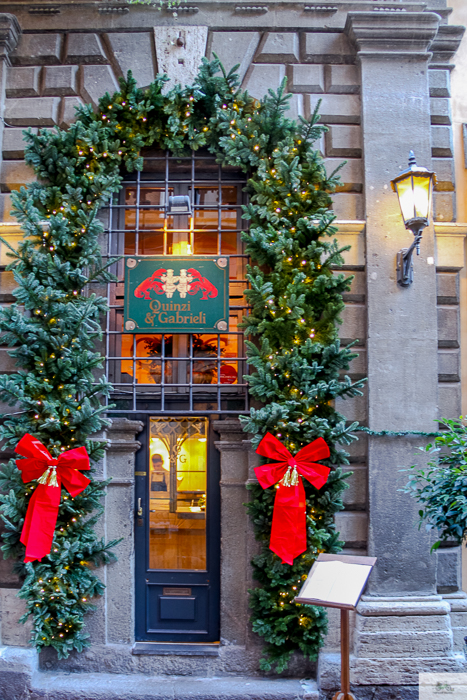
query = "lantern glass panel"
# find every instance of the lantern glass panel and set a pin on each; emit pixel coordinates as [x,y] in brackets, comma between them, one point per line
[406,198]
[422,192]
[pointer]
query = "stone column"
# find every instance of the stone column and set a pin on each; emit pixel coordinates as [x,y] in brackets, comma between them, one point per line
[402,625]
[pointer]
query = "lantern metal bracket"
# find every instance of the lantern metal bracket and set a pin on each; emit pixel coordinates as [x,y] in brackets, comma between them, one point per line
[404,265]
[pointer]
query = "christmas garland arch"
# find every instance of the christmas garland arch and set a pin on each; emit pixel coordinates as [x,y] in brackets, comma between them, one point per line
[53,326]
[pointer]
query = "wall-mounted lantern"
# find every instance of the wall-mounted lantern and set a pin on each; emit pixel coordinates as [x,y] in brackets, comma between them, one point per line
[414,188]
[182,238]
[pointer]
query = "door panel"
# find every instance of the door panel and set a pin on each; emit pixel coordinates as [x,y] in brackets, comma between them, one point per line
[177,531]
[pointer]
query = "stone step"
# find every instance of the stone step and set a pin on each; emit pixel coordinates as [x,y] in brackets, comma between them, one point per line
[20,678]
[108,686]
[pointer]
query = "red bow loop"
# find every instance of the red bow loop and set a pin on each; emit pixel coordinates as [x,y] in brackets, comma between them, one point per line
[41,516]
[288,531]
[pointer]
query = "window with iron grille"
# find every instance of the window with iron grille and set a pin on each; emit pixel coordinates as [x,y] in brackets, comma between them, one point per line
[177,373]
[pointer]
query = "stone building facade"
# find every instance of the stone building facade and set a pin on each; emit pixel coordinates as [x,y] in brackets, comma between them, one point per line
[381,70]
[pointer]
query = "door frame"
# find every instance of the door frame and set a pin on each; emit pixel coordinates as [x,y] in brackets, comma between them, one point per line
[145,577]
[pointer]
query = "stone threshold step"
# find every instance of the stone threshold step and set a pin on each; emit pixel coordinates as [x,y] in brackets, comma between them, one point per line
[110,686]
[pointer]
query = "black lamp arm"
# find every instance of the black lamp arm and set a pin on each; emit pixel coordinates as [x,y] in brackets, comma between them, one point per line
[404,259]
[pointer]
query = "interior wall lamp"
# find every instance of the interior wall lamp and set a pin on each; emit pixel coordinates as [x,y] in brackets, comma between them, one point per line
[414,188]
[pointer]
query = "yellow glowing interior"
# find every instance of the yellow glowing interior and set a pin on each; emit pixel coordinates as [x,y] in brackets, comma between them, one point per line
[177,493]
[414,196]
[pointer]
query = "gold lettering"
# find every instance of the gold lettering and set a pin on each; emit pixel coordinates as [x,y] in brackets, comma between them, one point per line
[149,319]
[155,305]
[171,319]
[163,317]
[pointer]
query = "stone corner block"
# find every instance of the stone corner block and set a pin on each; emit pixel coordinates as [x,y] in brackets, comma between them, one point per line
[95,82]
[326,47]
[32,111]
[84,48]
[38,49]
[60,80]
[15,174]
[10,32]
[23,81]
[261,77]
[134,52]
[12,608]
[233,48]
[278,47]
[68,111]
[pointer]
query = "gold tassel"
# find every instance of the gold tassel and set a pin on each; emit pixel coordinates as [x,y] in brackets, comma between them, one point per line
[49,477]
[291,477]
[286,480]
[294,477]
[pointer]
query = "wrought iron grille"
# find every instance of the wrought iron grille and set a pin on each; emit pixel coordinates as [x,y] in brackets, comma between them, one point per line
[177,373]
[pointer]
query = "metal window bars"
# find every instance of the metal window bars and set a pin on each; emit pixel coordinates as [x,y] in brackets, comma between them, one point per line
[176,374]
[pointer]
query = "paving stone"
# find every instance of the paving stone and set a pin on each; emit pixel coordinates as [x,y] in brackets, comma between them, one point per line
[277,47]
[306,78]
[295,109]
[449,400]
[445,174]
[84,48]
[448,366]
[448,327]
[38,49]
[344,141]
[444,206]
[60,80]
[448,567]
[342,79]
[355,410]
[13,143]
[353,317]
[441,141]
[336,109]
[32,111]
[12,608]
[262,77]
[440,109]
[135,52]
[440,83]
[68,111]
[352,527]
[348,206]
[351,173]
[326,47]
[95,82]
[447,287]
[356,494]
[233,48]
[15,174]
[23,81]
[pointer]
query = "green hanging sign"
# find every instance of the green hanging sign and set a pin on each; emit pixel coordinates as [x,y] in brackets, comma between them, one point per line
[176,294]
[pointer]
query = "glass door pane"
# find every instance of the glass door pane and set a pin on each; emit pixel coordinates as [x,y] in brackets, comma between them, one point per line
[177,493]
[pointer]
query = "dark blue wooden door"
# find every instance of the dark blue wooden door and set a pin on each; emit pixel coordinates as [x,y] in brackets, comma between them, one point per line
[177,531]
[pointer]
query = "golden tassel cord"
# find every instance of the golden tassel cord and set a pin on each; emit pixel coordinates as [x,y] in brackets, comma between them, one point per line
[49,477]
[290,477]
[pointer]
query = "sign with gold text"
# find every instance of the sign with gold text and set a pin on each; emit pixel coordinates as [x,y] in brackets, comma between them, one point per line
[176,294]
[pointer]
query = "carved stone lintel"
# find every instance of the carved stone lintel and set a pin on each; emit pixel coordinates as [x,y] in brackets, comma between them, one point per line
[392,33]
[10,32]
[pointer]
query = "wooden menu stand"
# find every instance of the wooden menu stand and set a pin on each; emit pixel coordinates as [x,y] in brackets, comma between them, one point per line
[337,581]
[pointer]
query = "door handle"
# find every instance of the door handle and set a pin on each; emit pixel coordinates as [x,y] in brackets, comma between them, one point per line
[139,512]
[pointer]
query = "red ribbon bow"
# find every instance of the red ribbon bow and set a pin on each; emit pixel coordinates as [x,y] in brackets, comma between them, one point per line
[288,531]
[41,516]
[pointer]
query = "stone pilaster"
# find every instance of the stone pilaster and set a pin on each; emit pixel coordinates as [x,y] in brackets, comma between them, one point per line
[234,473]
[402,626]
[119,522]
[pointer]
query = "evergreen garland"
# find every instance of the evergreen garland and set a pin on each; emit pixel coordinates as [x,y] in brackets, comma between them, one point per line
[295,297]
